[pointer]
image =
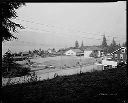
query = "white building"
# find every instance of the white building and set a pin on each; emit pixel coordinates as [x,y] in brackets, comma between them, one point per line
[93,49]
[49,50]
[73,52]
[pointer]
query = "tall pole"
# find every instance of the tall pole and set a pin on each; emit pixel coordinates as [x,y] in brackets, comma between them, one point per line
[80,64]
[61,60]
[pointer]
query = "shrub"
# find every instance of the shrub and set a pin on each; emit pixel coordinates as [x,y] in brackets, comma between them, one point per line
[12,69]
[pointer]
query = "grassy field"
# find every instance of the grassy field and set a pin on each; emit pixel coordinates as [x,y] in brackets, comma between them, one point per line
[96,87]
[60,61]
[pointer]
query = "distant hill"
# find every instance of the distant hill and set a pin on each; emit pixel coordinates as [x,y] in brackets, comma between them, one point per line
[28,40]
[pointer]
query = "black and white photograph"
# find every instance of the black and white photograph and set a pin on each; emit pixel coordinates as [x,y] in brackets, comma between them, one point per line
[64,52]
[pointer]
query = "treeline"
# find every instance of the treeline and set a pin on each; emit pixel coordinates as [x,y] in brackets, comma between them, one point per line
[112,47]
[104,45]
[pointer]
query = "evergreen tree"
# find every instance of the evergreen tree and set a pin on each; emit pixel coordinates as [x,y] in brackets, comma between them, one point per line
[104,45]
[76,44]
[82,45]
[124,44]
[114,43]
[104,42]
[53,50]
[119,45]
[113,46]
[7,61]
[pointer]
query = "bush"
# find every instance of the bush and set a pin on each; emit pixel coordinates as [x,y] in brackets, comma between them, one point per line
[12,69]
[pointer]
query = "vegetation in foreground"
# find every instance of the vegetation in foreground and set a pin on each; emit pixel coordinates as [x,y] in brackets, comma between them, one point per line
[12,69]
[96,87]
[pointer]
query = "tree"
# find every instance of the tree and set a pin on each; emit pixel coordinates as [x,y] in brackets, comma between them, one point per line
[113,46]
[53,50]
[104,42]
[82,45]
[113,42]
[8,12]
[124,44]
[76,44]
[104,45]
[12,69]
[7,61]
[119,45]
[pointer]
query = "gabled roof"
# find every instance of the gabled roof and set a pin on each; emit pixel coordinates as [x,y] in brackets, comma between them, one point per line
[76,50]
[93,48]
[49,49]
[118,49]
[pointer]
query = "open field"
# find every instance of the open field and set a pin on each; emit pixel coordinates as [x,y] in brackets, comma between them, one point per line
[61,61]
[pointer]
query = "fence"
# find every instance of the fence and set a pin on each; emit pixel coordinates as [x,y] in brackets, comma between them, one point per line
[50,75]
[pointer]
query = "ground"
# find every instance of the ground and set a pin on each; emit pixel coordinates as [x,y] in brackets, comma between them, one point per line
[61,61]
[71,62]
[96,87]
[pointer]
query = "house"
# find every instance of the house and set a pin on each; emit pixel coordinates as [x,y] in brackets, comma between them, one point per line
[51,51]
[25,54]
[61,52]
[73,52]
[35,56]
[93,51]
[21,56]
[120,55]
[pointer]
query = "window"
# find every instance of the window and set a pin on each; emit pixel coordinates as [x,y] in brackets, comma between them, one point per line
[121,56]
[115,56]
[122,50]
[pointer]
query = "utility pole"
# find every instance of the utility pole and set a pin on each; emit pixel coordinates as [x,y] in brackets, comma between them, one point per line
[61,59]
[80,64]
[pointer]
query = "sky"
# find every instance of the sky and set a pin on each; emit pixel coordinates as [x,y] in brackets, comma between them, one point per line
[59,25]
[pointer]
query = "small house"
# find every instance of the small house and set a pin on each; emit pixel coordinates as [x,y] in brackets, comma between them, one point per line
[21,56]
[25,54]
[120,55]
[73,52]
[49,50]
[93,51]
[35,56]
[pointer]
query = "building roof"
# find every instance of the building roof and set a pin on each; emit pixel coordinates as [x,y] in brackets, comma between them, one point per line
[25,52]
[90,48]
[118,49]
[76,50]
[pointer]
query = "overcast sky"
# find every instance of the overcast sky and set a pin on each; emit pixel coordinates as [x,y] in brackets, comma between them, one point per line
[58,25]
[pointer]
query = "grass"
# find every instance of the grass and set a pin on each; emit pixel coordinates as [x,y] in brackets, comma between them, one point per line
[59,61]
[84,87]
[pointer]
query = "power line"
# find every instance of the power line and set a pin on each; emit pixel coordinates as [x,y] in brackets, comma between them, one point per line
[52,31]
[47,25]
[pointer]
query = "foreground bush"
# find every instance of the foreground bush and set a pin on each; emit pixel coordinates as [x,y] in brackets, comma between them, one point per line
[97,87]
